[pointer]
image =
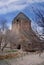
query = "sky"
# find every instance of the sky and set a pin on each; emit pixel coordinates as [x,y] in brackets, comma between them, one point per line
[14,5]
[10,8]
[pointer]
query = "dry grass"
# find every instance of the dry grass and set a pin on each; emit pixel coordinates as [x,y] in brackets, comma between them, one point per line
[11,54]
[8,56]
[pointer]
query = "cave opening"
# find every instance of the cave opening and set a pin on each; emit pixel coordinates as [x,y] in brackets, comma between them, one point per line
[19,46]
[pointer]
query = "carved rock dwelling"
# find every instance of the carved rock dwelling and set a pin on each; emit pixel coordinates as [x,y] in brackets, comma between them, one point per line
[25,38]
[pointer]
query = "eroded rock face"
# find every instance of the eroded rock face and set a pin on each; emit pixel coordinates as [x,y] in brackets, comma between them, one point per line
[21,22]
[24,35]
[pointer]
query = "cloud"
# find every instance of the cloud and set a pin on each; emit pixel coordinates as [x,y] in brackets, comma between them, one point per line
[13,5]
[32,1]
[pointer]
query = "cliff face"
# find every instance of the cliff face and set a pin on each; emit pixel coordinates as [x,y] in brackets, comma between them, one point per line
[21,22]
[24,35]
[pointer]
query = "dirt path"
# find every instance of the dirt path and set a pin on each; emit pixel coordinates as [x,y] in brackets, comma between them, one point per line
[30,59]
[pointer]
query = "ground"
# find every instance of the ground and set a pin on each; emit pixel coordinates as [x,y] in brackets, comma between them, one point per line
[28,59]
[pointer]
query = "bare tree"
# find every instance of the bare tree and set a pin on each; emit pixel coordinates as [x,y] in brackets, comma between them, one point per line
[3,29]
[3,24]
[0,38]
[10,38]
[40,21]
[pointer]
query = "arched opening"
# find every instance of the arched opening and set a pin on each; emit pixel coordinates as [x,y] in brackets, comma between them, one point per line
[19,46]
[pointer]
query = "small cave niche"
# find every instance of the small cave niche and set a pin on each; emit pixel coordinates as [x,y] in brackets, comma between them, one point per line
[19,47]
[17,20]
